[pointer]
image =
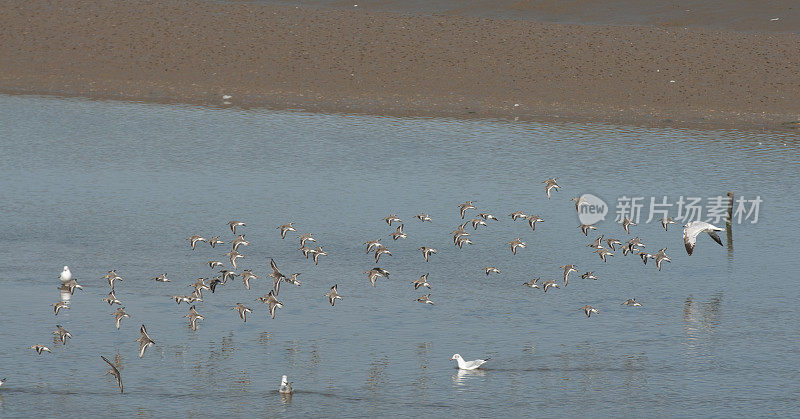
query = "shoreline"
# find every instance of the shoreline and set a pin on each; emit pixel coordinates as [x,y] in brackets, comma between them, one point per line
[382,63]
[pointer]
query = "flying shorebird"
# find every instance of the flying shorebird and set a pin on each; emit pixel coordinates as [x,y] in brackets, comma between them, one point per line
[425,299]
[427,252]
[661,256]
[243,310]
[118,315]
[691,230]
[112,276]
[306,251]
[272,302]
[567,269]
[234,224]
[70,286]
[667,221]
[59,305]
[589,275]
[333,295]
[213,263]
[239,241]
[533,219]
[490,269]
[292,279]
[232,256]
[115,372]
[399,234]
[532,283]
[193,317]
[319,252]
[589,310]
[549,284]
[515,244]
[464,207]
[112,299]
[603,252]
[468,365]
[631,302]
[285,228]
[462,241]
[634,243]
[477,222]
[65,275]
[375,273]
[423,217]
[373,244]
[160,278]
[144,341]
[276,276]
[597,243]
[585,229]
[226,274]
[612,242]
[380,251]
[286,386]
[247,275]
[517,214]
[645,256]
[422,282]
[214,241]
[392,218]
[578,202]
[549,184]
[40,348]
[62,334]
[627,223]
[194,239]
[305,238]
[214,282]
[486,216]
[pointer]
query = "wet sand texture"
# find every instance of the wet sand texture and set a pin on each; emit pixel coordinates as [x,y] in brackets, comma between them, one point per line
[387,63]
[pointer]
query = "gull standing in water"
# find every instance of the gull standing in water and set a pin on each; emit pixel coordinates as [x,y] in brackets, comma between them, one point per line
[515,244]
[194,239]
[549,185]
[286,228]
[464,207]
[427,252]
[422,282]
[118,315]
[588,310]
[468,365]
[567,269]
[234,224]
[62,334]
[65,275]
[333,295]
[286,386]
[144,341]
[193,317]
[691,230]
[243,310]
[425,299]
[667,221]
[115,372]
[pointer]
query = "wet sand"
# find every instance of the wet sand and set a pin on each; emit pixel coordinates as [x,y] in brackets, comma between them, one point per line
[336,59]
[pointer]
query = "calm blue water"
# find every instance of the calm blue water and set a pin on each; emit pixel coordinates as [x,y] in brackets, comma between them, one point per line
[112,185]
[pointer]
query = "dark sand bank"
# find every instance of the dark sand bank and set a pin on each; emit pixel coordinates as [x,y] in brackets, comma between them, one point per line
[388,63]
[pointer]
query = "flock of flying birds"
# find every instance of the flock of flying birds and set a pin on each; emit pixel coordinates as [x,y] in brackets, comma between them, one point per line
[603,246]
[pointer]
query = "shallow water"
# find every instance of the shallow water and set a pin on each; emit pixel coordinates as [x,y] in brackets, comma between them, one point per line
[113,185]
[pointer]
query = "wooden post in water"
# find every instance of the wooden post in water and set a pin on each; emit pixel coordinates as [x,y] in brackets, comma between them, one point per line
[729,222]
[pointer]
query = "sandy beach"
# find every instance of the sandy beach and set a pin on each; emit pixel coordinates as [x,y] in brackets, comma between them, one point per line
[382,62]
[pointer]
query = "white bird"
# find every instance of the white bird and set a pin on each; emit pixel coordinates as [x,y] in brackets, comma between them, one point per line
[66,275]
[286,386]
[691,230]
[468,365]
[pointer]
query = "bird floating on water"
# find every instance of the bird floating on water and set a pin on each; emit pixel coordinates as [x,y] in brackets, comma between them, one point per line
[468,365]
[286,386]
